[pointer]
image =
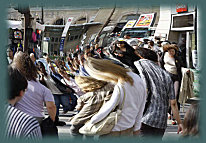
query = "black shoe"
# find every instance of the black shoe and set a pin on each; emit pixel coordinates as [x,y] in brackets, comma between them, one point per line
[60,123]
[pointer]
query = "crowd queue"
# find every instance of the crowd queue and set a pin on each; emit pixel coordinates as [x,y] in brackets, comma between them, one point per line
[142,79]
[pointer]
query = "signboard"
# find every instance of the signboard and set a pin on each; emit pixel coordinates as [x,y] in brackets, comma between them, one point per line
[62,44]
[64,34]
[145,20]
[46,38]
[45,47]
[181,8]
[66,28]
[183,21]
[17,34]
[130,24]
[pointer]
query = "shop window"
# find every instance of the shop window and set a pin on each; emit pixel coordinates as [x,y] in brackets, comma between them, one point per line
[59,22]
[52,47]
[76,37]
[183,21]
[71,38]
[79,36]
[56,40]
[52,39]
[130,17]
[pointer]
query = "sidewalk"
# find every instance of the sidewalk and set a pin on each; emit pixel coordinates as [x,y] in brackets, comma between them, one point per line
[170,133]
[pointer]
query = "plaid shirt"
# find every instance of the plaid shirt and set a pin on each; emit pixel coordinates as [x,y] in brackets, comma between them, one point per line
[162,90]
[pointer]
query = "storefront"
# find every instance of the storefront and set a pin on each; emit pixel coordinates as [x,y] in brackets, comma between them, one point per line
[183,31]
[15,34]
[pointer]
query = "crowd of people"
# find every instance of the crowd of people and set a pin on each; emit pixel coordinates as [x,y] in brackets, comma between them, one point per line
[143,78]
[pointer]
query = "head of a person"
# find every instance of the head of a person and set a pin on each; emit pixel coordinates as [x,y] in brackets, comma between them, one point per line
[172,50]
[96,46]
[122,44]
[151,43]
[191,121]
[25,65]
[19,49]
[159,43]
[41,67]
[127,36]
[145,53]
[52,69]
[107,71]
[17,83]
[134,44]
[87,54]
[89,84]
[91,48]
[32,57]
[145,41]
[165,46]
[10,53]
[157,38]
[48,60]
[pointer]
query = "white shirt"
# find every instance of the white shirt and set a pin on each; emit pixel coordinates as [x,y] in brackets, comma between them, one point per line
[135,98]
[170,64]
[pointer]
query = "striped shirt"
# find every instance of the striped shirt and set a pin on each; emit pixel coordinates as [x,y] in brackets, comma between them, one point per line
[21,125]
[162,90]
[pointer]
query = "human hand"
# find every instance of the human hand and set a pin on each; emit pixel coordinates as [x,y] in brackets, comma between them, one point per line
[180,128]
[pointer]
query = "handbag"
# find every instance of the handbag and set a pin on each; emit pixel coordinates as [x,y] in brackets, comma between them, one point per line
[48,128]
[104,126]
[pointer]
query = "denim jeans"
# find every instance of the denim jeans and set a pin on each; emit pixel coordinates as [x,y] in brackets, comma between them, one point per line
[66,100]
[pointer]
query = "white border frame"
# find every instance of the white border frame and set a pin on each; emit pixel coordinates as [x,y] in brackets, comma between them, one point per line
[183,28]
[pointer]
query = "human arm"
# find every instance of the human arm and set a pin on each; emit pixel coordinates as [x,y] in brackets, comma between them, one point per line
[51,108]
[107,107]
[175,112]
[50,103]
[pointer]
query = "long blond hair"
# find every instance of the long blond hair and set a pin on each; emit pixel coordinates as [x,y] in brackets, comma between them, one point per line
[89,84]
[107,71]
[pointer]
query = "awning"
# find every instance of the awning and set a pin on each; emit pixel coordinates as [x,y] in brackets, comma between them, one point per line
[14,24]
[108,29]
[39,26]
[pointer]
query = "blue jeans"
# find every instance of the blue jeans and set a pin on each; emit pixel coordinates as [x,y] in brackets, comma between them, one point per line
[66,100]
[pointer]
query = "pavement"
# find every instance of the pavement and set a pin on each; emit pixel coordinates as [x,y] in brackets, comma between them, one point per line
[170,133]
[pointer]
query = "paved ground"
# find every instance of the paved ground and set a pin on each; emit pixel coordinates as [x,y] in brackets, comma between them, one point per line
[170,134]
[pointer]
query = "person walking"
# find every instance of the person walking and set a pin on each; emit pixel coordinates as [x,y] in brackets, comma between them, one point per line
[160,92]
[19,124]
[128,87]
[125,53]
[33,101]
[171,62]
[59,97]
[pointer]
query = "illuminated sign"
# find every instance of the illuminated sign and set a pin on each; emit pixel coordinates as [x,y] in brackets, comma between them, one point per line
[181,8]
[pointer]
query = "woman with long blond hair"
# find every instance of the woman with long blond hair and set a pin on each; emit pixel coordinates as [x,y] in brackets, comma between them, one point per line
[97,92]
[127,84]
